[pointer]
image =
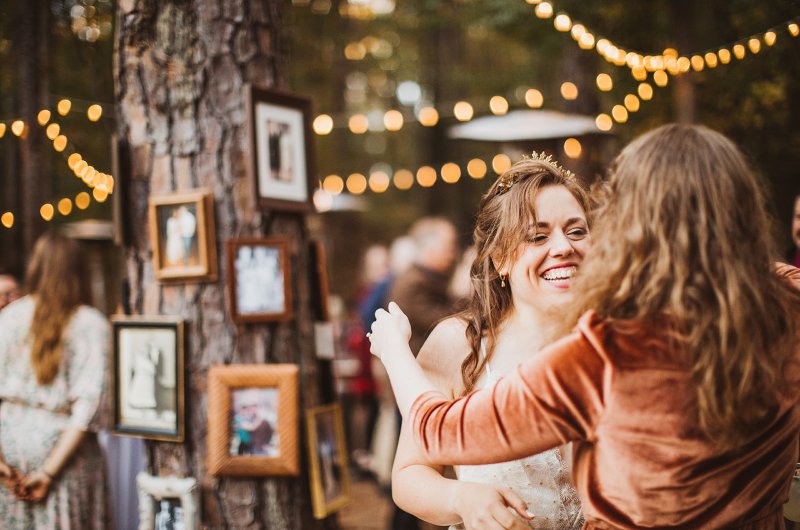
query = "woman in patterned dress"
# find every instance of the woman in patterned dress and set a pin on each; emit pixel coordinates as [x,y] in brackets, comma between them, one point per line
[531,234]
[53,350]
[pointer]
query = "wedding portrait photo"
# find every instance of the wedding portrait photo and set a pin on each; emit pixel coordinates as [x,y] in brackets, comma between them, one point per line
[259,279]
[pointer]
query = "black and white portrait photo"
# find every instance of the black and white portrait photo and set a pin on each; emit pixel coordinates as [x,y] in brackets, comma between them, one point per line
[259,280]
[147,378]
[169,515]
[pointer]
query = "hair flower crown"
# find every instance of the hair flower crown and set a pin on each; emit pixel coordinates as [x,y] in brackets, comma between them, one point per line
[508,178]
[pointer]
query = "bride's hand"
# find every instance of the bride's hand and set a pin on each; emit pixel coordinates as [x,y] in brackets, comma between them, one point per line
[483,506]
[391,329]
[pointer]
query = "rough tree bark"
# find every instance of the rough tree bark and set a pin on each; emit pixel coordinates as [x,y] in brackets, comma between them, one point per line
[180,70]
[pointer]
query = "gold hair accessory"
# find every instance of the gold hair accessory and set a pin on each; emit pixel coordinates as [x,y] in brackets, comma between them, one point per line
[505,181]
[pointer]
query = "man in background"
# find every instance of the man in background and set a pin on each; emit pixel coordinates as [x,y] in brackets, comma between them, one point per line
[9,289]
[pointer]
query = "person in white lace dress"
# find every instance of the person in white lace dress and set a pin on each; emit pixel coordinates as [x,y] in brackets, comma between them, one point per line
[531,234]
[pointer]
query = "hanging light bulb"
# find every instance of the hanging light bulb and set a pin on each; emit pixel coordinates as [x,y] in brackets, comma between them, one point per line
[562,22]
[333,184]
[64,106]
[428,116]
[572,148]
[43,116]
[358,124]
[498,105]
[603,122]
[7,219]
[604,82]
[18,127]
[94,112]
[451,173]
[323,124]
[534,98]
[463,110]
[426,176]
[403,179]
[631,103]
[476,168]
[645,91]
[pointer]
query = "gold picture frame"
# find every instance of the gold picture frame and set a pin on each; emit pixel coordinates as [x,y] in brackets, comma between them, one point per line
[330,476]
[183,234]
[253,420]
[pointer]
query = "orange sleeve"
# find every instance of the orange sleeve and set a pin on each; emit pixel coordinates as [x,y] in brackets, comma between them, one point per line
[554,398]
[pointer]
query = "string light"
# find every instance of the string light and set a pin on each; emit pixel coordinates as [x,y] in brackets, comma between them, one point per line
[603,122]
[463,111]
[52,131]
[7,219]
[569,90]
[498,105]
[562,22]
[358,124]
[60,143]
[794,29]
[631,103]
[451,173]
[501,163]
[82,200]
[2,129]
[739,51]
[356,183]
[619,113]
[323,124]
[18,127]
[604,82]
[544,10]
[379,181]
[393,120]
[333,184]
[660,78]
[43,116]
[47,211]
[65,206]
[426,176]
[428,116]
[403,179]
[754,45]
[645,91]
[64,106]
[572,148]
[476,168]
[534,98]
[94,112]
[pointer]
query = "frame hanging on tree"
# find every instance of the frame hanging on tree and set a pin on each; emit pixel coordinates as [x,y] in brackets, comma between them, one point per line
[330,478]
[259,280]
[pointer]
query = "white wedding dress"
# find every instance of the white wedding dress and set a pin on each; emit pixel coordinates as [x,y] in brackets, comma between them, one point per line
[543,481]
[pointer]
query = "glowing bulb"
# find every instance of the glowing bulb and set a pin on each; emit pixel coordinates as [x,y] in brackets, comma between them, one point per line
[358,124]
[602,46]
[355,51]
[463,110]
[684,63]
[451,173]
[578,31]
[18,127]
[426,176]
[711,59]
[73,159]
[476,168]
[379,181]
[52,131]
[724,56]
[739,51]
[698,63]
[544,10]
[65,206]
[356,183]
[82,200]
[619,113]
[323,124]
[569,91]
[47,211]
[645,91]
[534,98]
[660,78]
[323,201]
[586,42]
[501,163]
[603,122]
[99,195]
[393,120]
[428,116]
[794,29]
[94,112]
[2,129]
[403,179]
[60,143]
[754,45]
[80,165]
[631,103]
[333,184]
[604,82]
[533,2]
[498,105]
[7,219]
[572,148]
[43,116]
[63,107]
[562,22]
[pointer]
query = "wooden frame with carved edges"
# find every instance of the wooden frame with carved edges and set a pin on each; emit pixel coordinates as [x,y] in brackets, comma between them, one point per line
[148,383]
[259,279]
[253,420]
[178,502]
[330,477]
[183,236]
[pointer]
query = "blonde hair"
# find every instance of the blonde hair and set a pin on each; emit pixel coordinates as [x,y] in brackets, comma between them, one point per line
[504,216]
[682,237]
[56,278]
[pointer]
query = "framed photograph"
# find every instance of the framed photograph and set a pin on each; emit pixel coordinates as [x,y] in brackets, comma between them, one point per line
[259,279]
[253,420]
[281,133]
[319,281]
[167,503]
[330,480]
[183,235]
[148,377]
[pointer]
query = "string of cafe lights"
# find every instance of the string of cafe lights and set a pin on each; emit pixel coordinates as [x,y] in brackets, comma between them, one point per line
[101,184]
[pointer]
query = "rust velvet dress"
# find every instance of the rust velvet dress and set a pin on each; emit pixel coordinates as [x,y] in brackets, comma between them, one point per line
[628,403]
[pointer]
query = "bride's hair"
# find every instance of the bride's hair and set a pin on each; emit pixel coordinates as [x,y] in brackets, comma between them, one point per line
[683,237]
[504,216]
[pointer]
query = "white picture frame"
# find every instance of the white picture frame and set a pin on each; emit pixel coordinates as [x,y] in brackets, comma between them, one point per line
[183,492]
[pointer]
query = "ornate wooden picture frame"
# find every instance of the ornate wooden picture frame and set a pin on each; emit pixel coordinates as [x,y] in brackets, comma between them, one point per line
[168,502]
[282,147]
[148,380]
[259,279]
[253,420]
[330,477]
[183,236]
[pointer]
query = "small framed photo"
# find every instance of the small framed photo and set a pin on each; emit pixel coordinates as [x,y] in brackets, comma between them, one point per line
[183,235]
[330,479]
[167,503]
[148,377]
[253,420]
[319,280]
[281,135]
[259,279]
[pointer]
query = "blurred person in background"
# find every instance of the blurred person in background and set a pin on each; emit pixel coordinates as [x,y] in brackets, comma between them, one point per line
[53,352]
[794,254]
[9,289]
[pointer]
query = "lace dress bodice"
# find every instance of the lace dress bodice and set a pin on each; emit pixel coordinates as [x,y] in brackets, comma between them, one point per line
[542,480]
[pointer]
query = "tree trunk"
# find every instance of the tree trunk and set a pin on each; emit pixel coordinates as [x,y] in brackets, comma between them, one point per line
[181,66]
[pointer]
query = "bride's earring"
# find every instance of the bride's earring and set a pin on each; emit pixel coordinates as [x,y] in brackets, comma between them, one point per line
[503,280]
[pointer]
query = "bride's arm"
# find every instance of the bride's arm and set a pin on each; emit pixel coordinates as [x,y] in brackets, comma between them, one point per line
[554,398]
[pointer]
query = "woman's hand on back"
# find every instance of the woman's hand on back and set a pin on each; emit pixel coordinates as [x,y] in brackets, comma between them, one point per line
[486,507]
[34,487]
[390,331]
[9,477]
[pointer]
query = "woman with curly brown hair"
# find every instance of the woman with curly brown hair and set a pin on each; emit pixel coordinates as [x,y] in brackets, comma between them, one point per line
[530,237]
[53,352]
[679,387]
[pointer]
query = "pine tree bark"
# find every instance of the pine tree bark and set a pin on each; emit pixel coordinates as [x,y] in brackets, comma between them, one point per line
[181,67]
